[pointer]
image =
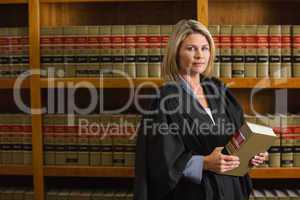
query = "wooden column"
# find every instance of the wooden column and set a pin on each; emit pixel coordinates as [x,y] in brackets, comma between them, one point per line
[35,98]
[202,11]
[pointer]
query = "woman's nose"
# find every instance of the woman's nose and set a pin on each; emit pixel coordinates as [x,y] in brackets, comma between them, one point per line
[198,54]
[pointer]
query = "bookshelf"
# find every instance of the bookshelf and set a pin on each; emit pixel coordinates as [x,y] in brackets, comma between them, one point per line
[95,12]
[88,171]
[16,170]
[237,83]
[128,172]
[14,2]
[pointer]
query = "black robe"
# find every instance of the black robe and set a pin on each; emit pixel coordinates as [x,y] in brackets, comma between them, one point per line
[162,154]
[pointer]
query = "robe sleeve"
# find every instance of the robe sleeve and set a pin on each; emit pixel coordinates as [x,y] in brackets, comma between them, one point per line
[161,156]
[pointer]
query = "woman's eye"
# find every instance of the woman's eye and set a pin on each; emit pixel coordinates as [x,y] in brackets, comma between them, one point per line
[191,48]
[205,48]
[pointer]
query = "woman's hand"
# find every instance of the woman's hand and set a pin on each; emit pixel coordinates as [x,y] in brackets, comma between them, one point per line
[259,159]
[218,162]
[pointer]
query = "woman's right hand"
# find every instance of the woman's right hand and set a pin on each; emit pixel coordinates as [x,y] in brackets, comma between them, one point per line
[219,163]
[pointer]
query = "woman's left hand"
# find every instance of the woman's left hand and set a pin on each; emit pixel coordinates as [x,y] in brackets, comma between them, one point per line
[259,159]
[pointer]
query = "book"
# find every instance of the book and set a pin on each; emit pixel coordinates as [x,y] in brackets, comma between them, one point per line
[154,53]
[117,50]
[275,150]
[262,51]
[297,141]
[215,32]
[286,53]
[248,141]
[287,141]
[129,51]
[225,51]
[275,51]
[296,51]
[141,51]
[238,51]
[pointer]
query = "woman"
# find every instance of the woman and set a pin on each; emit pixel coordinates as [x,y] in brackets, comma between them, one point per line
[179,146]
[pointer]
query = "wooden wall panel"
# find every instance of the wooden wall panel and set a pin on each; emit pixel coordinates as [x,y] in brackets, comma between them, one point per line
[124,13]
[253,12]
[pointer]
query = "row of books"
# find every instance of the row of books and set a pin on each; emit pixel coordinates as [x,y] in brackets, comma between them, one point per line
[14,56]
[256,50]
[286,150]
[106,50]
[282,194]
[15,139]
[14,193]
[106,140]
[109,140]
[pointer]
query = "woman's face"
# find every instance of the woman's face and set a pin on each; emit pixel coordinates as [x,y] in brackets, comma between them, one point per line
[194,54]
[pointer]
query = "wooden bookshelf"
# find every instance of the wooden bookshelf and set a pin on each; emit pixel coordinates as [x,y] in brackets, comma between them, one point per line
[88,171]
[9,83]
[261,83]
[82,1]
[16,170]
[128,172]
[13,1]
[127,83]
[99,83]
[275,173]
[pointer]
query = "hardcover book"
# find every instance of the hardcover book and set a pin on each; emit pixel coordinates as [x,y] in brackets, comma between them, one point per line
[248,141]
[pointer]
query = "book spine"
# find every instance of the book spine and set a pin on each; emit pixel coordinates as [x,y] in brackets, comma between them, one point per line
[57,43]
[225,51]
[275,51]
[287,141]
[165,32]
[83,145]
[262,51]
[45,50]
[154,51]
[17,147]
[296,51]
[80,44]
[27,140]
[286,54]
[250,51]
[95,142]
[275,150]
[238,51]
[117,141]
[215,32]
[106,141]
[69,52]
[60,139]
[4,58]
[48,139]
[130,140]
[92,46]
[105,51]
[117,41]
[141,51]
[130,58]
[296,151]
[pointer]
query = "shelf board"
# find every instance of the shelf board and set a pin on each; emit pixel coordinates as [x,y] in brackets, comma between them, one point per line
[83,1]
[16,170]
[13,1]
[88,171]
[261,82]
[275,173]
[6,83]
[128,172]
[151,82]
[98,82]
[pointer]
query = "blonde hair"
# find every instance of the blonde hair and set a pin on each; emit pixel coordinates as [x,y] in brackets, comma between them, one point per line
[170,66]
